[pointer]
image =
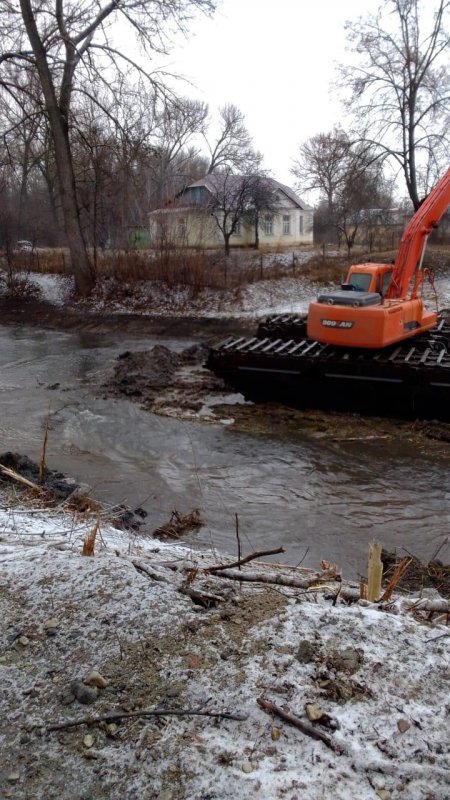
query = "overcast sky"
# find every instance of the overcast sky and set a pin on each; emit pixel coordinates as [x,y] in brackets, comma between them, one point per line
[275,60]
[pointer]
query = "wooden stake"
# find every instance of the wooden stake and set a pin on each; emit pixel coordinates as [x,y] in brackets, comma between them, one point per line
[238,540]
[374,572]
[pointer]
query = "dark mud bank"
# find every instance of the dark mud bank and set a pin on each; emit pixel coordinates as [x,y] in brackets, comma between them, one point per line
[37,313]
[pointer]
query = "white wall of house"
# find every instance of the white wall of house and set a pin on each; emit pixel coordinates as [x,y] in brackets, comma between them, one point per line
[289,227]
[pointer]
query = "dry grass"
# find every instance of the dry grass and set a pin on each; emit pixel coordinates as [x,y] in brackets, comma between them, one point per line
[49,261]
[179,524]
[89,542]
[185,267]
[201,269]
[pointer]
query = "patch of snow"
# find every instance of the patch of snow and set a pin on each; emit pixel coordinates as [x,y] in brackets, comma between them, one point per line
[54,289]
[64,614]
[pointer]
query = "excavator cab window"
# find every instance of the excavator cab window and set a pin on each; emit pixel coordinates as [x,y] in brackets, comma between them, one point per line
[383,282]
[358,282]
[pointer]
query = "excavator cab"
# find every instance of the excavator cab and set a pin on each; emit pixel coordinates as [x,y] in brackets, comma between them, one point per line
[368,278]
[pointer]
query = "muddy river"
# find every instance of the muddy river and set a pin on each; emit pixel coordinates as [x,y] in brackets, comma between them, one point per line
[319,499]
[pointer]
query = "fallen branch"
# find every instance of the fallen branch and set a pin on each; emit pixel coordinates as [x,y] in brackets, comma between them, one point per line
[246,559]
[302,726]
[311,583]
[439,605]
[201,598]
[259,577]
[16,476]
[76,723]
[441,636]
[156,576]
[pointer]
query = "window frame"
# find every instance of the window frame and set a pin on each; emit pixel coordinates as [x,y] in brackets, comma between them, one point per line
[268,225]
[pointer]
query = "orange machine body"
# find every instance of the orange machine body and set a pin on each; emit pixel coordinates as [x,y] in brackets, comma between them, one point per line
[373,309]
[363,317]
[374,326]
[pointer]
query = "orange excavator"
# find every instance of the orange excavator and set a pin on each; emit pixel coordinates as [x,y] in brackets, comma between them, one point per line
[370,347]
[378,305]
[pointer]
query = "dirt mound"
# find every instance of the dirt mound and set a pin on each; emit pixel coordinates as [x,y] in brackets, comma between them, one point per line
[141,374]
[144,375]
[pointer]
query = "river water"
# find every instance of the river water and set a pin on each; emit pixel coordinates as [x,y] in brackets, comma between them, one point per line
[317,499]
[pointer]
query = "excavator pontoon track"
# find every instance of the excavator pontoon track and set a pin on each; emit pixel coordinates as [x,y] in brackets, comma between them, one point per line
[410,380]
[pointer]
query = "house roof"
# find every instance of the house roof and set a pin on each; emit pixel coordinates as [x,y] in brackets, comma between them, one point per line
[215,180]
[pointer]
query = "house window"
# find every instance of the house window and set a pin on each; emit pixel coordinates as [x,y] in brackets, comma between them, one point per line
[181,227]
[237,229]
[301,224]
[286,224]
[268,225]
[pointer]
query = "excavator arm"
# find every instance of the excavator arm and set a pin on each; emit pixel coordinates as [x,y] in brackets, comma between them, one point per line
[410,254]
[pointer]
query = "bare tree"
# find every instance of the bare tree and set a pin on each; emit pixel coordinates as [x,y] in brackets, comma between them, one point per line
[400,89]
[230,199]
[262,200]
[67,46]
[176,123]
[349,178]
[233,149]
[322,164]
[363,191]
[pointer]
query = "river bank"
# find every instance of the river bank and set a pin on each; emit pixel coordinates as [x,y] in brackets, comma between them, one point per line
[186,390]
[147,670]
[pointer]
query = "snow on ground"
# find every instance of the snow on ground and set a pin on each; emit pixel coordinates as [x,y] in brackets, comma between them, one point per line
[55,289]
[284,294]
[254,299]
[378,678]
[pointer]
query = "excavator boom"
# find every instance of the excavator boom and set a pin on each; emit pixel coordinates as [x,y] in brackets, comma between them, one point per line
[412,246]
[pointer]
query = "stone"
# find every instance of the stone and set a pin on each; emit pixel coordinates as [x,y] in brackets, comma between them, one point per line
[275,733]
[23,640]
[13,776]
[84,694]
[247,767]
[112,728]
[305,651]
[67,698]
[94,678]
[313,712]
[403,725]
[51,624]
[347,660]
[88,740]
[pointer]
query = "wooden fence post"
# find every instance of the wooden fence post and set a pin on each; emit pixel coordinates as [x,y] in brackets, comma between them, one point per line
[374,572]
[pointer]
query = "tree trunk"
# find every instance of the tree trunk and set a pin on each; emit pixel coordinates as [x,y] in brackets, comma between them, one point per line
[256,245]
[59,127]
[81,267]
